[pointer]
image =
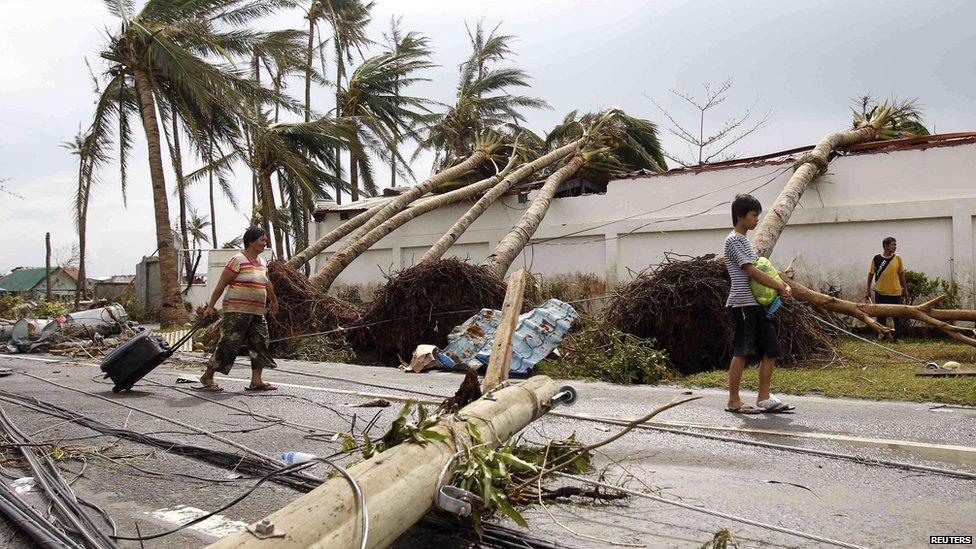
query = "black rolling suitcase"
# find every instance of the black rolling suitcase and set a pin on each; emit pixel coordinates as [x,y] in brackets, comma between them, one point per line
[135,358]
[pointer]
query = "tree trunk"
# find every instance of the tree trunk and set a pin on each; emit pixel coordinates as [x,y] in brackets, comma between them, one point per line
[172,313]
[79,213]
[82,285]
[865,311]
[213,211]
[353,177]
[181,193]
[47,267]
[393,161]
[281,191]
[421,207]
[810,166]
[303,257]
[270,211]
[324,277]
[308,67]
[338,114]
[514,242]
[450,237]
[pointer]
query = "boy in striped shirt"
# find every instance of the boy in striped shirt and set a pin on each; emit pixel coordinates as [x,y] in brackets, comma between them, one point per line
[754,337]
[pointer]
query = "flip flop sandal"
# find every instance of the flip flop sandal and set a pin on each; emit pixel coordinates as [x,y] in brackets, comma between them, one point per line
[747,409]
[264,387]
[774,405]
[209,389]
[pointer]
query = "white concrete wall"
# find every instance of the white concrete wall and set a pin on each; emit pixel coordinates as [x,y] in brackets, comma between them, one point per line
[924,198]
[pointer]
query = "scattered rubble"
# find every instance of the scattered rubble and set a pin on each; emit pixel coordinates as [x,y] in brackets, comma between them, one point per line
[80,333]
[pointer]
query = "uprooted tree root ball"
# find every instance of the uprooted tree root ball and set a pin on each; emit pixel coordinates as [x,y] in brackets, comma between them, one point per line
[302,310]
[681,304]
[423,303]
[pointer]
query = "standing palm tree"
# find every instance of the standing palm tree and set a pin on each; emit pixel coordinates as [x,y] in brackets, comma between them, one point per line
[304,154]
[411,44]
[169,44]
[614,143]
[197,230]
[348,20]
[372,99]
[90,155]
[482,100]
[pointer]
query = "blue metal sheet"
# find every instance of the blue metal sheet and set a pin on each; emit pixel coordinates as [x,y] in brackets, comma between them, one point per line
[537,333]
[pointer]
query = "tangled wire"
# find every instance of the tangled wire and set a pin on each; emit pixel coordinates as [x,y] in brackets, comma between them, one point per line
[423,303]
[681,304]
[303,309]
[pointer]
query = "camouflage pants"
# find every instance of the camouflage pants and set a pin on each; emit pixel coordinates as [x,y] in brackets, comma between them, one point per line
[242,330]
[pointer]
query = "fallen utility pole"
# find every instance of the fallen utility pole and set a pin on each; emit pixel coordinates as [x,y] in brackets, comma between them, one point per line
[400,485]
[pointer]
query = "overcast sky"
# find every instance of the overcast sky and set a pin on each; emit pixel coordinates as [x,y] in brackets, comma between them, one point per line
[804,60]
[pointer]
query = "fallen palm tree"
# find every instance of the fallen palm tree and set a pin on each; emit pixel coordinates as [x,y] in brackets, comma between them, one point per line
[373,217]
[487,145]
[495,187]
[474,212]
[612,143]
[924,312]
[423,303]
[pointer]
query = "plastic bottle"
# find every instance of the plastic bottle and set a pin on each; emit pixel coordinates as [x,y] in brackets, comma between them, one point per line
[291,458]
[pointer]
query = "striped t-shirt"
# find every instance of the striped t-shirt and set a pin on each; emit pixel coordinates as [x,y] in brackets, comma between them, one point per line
[738,253]
[248,291]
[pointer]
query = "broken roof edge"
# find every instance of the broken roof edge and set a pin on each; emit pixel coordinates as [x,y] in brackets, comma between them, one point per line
[919,142]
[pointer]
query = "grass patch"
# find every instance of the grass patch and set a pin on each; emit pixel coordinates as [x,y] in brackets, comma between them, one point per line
[866,371]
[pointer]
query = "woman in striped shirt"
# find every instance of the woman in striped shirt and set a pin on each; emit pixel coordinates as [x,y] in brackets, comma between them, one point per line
[245,277]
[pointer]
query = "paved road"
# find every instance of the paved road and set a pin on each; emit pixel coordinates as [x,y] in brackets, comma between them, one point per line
[861,504]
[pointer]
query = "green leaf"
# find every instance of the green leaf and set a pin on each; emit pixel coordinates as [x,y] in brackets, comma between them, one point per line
[509,511]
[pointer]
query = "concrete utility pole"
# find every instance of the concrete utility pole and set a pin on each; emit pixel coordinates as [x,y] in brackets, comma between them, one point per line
[47,266]
[400,485]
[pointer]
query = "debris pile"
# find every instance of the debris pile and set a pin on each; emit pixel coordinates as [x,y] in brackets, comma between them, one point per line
[422,304]
[88,332]
[681,304]
[593,349]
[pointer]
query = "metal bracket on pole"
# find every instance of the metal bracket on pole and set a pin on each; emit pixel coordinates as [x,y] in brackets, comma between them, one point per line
[264,530]
[455,500]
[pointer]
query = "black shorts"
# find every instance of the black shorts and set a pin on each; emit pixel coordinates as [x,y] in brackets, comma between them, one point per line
[754,336]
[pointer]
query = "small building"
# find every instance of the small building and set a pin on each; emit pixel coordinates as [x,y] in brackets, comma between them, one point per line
[29,282]
[112,288]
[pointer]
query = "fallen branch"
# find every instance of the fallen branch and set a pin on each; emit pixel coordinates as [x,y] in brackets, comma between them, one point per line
[571,456]
[865,311]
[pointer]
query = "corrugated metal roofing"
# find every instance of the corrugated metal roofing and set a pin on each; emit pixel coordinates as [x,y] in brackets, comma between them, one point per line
[23,280]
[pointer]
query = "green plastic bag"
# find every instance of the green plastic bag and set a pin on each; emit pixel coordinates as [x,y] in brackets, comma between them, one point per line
[764,294]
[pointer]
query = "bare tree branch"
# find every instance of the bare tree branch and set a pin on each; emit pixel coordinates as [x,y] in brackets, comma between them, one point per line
[703,149]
